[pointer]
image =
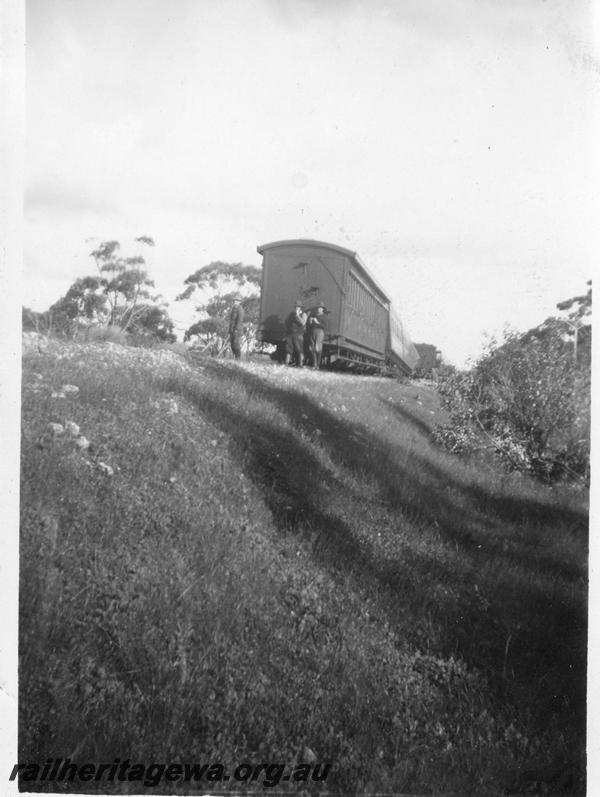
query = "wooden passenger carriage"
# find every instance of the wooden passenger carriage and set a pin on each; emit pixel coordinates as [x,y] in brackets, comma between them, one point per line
[364,333]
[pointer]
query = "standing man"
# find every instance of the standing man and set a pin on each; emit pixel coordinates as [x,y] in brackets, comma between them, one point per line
[316,334]
[294,343]
[236,328]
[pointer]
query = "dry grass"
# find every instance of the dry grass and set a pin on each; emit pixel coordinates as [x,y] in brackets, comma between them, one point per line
[282,559]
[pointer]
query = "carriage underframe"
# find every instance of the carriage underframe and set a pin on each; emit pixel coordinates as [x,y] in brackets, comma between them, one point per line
[351,358]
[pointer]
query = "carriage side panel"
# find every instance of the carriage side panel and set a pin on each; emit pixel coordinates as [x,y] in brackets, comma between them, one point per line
[365,315]
[400,346]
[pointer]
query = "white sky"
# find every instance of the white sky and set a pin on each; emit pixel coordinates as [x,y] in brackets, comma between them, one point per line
[449,143]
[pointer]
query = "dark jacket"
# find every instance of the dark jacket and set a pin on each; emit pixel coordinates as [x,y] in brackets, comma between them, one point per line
[293,325]
[236,320]
[317,322]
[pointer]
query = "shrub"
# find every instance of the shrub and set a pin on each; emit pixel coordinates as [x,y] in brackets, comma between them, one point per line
[528,400]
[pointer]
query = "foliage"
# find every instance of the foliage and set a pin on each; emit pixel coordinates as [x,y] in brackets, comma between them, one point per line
[429,362]
[85,301]
[118,296]
[125,285]
[578,322]
[580,306]
[33,321]
[145,239]
[221,284]
[527,399]
[211,333]
[152,320]
[216,273]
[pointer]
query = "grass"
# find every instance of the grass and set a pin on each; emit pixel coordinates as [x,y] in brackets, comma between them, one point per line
[282,560]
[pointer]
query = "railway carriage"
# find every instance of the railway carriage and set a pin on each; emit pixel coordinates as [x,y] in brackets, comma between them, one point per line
[364,333]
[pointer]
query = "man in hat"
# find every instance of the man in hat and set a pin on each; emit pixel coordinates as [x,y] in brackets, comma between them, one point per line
[295,324]
[315,330]
[236,328]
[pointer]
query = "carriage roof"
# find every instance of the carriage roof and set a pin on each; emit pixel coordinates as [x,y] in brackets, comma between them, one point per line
[354,257]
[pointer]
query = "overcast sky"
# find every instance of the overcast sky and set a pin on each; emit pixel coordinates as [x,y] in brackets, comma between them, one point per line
[448,142]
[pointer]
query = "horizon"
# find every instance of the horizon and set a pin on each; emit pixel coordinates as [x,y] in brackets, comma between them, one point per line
[449,144]
[184,313]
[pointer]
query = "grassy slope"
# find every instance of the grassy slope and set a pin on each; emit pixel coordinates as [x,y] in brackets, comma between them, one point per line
[282,560]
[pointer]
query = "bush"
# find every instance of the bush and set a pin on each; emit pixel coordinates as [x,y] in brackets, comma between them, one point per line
[528,400]
[104,334]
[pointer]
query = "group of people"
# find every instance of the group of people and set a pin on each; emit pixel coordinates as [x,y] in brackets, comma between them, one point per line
[305,333]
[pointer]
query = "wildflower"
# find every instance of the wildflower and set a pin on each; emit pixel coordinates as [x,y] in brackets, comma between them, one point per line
[56,428]
[73,389]
[106,469]
[82,442]
[58,394]
[72,429]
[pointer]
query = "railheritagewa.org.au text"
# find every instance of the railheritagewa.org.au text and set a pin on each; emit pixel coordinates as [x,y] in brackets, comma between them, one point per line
[152,774]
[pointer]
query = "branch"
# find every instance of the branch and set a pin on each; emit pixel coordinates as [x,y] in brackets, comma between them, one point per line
[131,309]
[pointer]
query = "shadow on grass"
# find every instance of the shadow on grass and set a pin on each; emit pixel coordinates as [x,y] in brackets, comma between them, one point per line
[352,446]
[547,656]
[506,507]
[407,416]
[464,514]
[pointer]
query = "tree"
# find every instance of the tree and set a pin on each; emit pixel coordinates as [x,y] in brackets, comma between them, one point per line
[220,284]
[32,321]
[578,321]
[117,296]
[126,284]
[430,360]
[85,300]
[218,273]
[152,320]
[209,334]
[528,399]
